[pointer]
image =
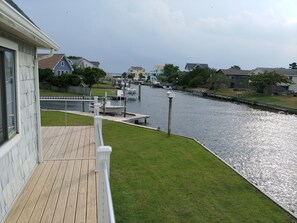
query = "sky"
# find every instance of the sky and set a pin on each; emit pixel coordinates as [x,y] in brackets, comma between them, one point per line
[125,33]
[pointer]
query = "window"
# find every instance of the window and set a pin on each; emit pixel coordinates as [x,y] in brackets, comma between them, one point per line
[8,123]
[62,63]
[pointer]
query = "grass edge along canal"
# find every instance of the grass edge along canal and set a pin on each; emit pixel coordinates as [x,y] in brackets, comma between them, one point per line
[155,178]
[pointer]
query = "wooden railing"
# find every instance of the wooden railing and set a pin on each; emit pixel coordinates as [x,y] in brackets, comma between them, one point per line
[105,205]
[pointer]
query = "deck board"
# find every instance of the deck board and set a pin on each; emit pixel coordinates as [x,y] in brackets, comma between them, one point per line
[63,187]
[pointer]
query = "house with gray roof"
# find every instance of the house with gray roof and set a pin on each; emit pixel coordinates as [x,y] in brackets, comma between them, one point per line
[191,66]
[291,74]
[20,127]
[82,63]
[237,78]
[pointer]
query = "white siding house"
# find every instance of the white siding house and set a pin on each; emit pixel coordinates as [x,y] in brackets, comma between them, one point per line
[20,142]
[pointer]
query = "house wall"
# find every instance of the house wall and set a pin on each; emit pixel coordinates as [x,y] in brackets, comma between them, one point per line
[293,87]
[64,68]
[238,81]
[19,155]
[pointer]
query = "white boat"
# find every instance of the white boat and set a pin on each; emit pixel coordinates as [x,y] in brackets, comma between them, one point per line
[156,84]
[167,87]
[108,108]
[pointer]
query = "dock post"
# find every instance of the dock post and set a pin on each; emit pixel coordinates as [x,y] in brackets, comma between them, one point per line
[139,92]
[170,95]
[125,103]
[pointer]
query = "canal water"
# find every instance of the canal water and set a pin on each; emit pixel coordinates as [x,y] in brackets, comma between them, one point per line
[261,145]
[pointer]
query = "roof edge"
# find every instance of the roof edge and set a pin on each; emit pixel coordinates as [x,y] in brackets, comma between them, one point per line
[22,27]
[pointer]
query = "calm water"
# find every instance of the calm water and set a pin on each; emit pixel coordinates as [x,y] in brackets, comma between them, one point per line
[260,144]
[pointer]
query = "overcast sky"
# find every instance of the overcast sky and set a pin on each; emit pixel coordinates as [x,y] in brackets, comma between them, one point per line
[124,33]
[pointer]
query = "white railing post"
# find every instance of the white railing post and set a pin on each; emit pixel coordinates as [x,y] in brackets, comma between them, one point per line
[96,106]
[98,129]
[96,109]
[103,156]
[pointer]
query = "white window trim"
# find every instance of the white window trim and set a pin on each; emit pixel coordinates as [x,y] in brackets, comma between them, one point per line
[9,144]
[62,63]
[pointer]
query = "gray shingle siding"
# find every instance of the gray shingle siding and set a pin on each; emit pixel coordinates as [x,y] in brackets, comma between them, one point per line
[21,159]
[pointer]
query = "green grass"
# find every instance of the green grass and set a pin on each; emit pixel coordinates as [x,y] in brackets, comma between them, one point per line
[103,86]
[44,92]
[155,178]
[101,92]
[159,179]
[279,100]
[50,118]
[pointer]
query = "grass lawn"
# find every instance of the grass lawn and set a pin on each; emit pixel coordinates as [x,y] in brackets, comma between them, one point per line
[279,100]
[50,118]
[101,92]
[159,179]
[103,86]
[44,92]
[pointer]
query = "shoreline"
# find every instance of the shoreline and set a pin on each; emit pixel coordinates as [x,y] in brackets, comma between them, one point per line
[252,103]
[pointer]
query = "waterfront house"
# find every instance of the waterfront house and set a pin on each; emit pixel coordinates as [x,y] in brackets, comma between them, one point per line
[291,74]
[20,142]
[158,70]
[58,63]
[136,71]
[237,78]
[82,63]
[191,66]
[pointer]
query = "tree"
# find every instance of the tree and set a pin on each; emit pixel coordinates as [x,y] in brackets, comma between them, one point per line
[124,75]
[217,80]
[74,80]
[197,77]
[91,75]
[236,67]
[293,65]
[141,76]
[46,75]
[267,79]
[170,73]
[131,76]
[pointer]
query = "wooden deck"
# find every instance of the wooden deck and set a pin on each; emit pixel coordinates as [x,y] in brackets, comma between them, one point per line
[63,187]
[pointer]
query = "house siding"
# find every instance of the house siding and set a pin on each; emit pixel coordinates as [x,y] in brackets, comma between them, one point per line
[64,68]
[21,158]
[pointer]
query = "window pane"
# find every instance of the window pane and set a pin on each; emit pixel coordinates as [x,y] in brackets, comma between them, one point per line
[10,91]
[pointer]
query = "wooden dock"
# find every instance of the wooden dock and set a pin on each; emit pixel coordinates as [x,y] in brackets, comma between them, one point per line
[63,187]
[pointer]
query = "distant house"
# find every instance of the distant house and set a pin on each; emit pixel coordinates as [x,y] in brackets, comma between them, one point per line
[80,62]
[58,63]
[20,136]
[237,78]
[95,63]
[289,73]
[158,70]
[191,66]
[136,71]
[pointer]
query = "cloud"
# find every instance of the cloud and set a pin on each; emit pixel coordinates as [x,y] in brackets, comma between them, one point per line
[148,32]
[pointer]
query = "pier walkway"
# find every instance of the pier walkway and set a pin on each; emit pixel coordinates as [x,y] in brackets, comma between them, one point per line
[63,187]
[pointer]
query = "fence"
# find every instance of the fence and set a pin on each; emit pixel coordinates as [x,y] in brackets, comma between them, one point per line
[73,89]
[105,205]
